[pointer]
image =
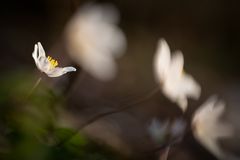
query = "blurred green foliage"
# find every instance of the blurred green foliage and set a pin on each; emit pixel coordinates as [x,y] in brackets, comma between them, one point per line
[28,125]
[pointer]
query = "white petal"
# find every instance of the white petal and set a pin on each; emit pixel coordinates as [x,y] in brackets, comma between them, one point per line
[94,40]
[107,13]
[176,85]
[219,107]
[41,51]
[176,65]
[208,128]
[39,57]
[56,72]
[34,54]
[182,103]
[43,64]
[100,66]
[112,41]
[189,86]
[202,113]
[162,60]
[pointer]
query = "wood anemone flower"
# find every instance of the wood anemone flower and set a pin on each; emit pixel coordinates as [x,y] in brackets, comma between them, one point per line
[175,83]
[47,64]
[208,129]
[94,40]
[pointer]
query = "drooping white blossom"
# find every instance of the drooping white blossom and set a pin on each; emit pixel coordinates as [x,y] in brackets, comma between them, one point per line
[47,64]
[208,128]
[94,40]
[175,83]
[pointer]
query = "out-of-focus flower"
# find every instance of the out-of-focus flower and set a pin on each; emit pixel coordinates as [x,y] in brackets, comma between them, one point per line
[166,131]
[178,128]
[207,127]
[47,64]
[94,40]
[175,83]
[158,130]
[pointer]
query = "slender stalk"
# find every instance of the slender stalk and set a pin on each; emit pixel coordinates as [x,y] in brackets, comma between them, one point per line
[163,146]
[104,114]
[34,87]
[120,109]
[165,154]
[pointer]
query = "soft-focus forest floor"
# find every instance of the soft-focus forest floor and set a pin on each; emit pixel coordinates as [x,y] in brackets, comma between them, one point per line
[47,124]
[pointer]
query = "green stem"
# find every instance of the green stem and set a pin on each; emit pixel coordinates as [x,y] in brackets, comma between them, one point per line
[34,87]
[104,114]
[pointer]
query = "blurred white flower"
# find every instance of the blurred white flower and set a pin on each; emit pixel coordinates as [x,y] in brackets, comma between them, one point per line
[207,127]
[47,64]
[175,83]
[94,40]
[158,130]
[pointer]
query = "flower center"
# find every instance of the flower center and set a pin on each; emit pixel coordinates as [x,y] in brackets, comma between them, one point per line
[52,61]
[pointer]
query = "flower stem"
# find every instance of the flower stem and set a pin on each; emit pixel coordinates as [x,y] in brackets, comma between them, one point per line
[104,114]
[34,87]
[165,154]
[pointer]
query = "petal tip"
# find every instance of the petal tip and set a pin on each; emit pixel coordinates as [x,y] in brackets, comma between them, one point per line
[162,40]
[70,69]
[39,44]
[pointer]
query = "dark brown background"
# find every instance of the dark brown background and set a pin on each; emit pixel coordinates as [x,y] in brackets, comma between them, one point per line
[208,33]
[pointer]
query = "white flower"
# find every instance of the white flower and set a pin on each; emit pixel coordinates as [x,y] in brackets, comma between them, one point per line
[207,127]
[47,64]
[175,83]
[94,40]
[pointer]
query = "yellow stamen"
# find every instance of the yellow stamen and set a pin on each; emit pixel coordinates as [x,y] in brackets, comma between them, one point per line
[52,61]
